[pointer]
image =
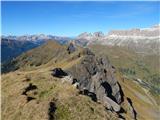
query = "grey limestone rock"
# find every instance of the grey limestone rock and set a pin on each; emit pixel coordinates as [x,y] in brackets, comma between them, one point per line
[96,76]
[71,48]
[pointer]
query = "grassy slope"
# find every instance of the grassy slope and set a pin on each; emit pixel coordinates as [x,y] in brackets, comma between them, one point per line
[144,67]
[122,57]
[143,102]
[70,105]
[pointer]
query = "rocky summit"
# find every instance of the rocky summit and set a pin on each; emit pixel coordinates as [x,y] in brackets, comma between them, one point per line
[96,75]
[71,48]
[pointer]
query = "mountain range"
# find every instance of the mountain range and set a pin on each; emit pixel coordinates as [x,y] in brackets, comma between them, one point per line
[92,76]
[12,46]
[143,41]
[36,38]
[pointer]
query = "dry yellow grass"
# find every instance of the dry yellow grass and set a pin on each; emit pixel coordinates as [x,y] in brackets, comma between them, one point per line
[70,104]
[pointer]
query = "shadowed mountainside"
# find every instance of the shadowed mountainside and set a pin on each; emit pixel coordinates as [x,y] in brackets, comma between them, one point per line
[11,48]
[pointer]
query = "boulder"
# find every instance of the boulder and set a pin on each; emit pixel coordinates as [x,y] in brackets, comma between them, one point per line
[58,72]
[110,104]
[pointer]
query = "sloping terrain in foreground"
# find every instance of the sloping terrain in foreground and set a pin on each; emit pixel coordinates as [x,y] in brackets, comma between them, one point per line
[30,90]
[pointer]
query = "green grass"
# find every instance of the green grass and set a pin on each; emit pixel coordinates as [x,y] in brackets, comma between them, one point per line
[133,65]
[63,113]
[70,105]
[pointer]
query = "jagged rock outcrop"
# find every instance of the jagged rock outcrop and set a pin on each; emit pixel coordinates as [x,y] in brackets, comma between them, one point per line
[95,78]
[145,40]
[71,48]
[98,34]
[89,36]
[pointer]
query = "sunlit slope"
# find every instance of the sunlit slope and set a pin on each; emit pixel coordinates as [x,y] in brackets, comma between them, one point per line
[36,103]
[145,104]
[134,66]
[49,92]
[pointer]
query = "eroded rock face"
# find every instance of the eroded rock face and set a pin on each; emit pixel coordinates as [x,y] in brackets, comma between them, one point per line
[96,76]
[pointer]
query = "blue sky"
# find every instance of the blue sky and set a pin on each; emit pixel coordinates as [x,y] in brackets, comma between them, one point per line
[73,18]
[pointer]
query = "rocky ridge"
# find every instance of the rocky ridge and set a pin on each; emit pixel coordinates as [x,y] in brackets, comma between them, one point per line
[94,77]
[73,69]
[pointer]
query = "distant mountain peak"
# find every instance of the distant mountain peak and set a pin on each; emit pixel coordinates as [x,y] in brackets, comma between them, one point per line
[139,39]
[143,32]
[34,37]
